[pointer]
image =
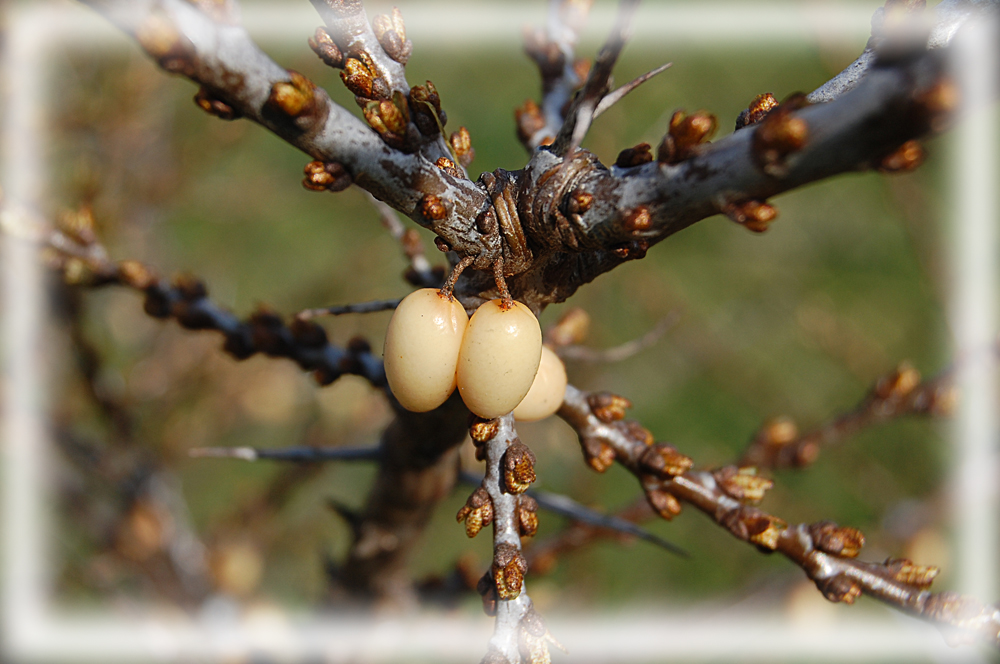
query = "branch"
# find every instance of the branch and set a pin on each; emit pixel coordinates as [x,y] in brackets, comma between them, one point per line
[823,550]
[778,445]
[295,454]
[186,300]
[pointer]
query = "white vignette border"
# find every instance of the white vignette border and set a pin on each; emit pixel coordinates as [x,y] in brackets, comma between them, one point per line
[33,629]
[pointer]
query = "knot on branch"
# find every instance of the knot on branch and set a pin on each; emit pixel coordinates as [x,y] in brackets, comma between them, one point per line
[500,226]
[553,201]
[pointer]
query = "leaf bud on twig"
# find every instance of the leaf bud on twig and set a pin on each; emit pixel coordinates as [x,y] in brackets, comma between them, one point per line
[743,484]
[461,144]
[608,407]
[295,97]
[359,77]
[432,208]
[779,135]
[598,454]
[212,105]
[898,384]
[527,515]
[518,467]
[329,176]
[637,220]
[665,461]
[425,105]
[481,430]
[477,512]
[135,274]
[760,106]
[905,571]
[684,135]
[939,103]
[391,34]
[905,158]
[159,37]
[529,120]
[634,156]
[509,568]
[663,503]
[839,588]
[753,215]
[831,538]
[323,45]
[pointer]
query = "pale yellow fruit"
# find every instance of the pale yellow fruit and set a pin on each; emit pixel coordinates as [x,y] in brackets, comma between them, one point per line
[547,390]
[421,349]
[499,358]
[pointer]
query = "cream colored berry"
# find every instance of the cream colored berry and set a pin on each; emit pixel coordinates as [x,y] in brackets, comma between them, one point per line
[499,358]
[547,390]
[421,349]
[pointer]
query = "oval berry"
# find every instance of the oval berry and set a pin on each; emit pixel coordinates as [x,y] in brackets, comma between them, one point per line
[421,349]
[547,390]
[499,358]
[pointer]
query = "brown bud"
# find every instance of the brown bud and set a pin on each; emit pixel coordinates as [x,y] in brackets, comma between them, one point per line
[214,106]
[135,274]
[608,407]
[76,272]
[295,97]
[637,220]
[448,166]
[597,453]
[742,483]
[482,430]
[905,571]
[754,215]
[527,515]
[488,591]
[906,157]
[323,45]
[831,538]
[519,467]
[432,208]
[189,287]
[899,383]
[665,461]
[571,328]
[509,568]
[442,245]
[329,176]
[778,432]
[634,156]
[758,108]
[754,526]
[307,333]
[477,512]
[425,106]
[684,135]
[638,433]
[840,588]
[663,503]
[358,78]
[461,144]
[529,120]
[79,225]
[779,135]
[391,34]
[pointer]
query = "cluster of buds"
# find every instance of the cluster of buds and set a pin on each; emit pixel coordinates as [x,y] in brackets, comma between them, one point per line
[780,134]
[507,571]
[753,525]
[664,461]
[904,571]
[685,135]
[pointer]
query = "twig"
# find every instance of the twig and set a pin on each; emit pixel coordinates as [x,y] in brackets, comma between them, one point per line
[296,454]
[900,393]
[621,352]
[619,93]
[823,550]
[186,300]
[420,272]
[359,308]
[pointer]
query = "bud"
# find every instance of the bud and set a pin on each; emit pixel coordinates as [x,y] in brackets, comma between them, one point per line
[608,407]
[518,465]
[477,512]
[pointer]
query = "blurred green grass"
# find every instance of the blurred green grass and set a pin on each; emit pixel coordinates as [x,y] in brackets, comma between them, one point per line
[799,321]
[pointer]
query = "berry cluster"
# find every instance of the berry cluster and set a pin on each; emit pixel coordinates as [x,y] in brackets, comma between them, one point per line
[496,358]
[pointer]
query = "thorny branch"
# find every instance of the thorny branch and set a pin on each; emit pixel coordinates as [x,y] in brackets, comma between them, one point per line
[823,550]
